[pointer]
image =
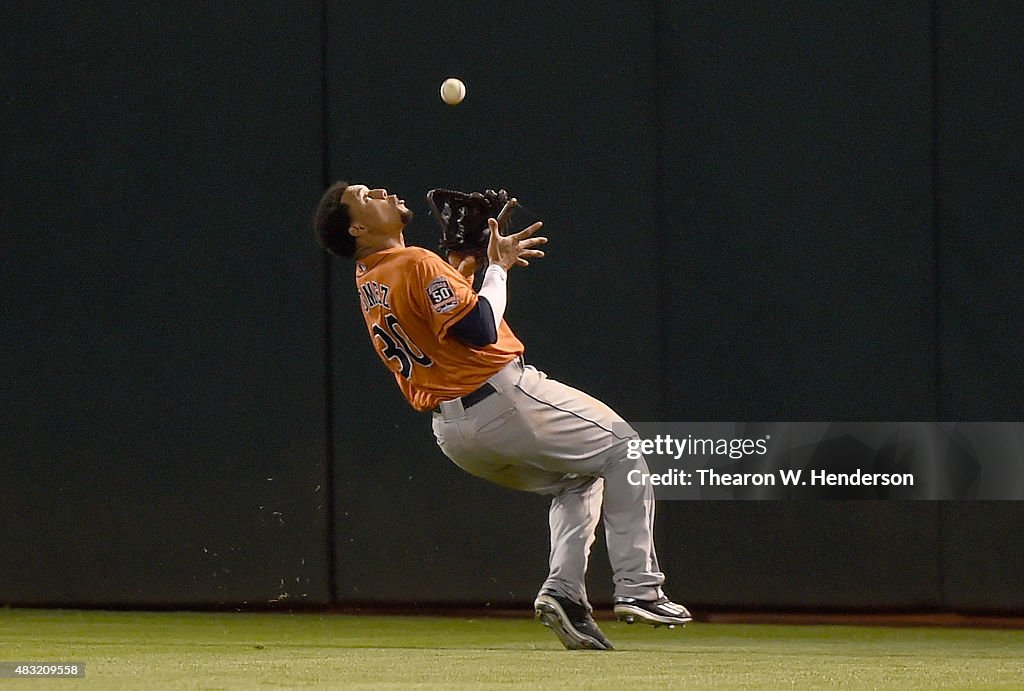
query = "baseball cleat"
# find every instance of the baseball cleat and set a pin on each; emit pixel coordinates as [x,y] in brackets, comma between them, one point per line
[571,622]
[660,612]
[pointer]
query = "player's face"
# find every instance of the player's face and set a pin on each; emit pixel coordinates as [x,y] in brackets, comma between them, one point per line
[375,210]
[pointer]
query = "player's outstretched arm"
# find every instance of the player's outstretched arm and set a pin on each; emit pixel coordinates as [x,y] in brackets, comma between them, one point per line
[515,249]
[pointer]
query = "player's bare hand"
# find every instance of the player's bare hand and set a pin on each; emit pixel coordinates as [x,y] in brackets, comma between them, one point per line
[466,264]
[516,249]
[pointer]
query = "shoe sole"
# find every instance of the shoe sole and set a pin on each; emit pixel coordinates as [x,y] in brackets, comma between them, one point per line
[551,614]
[632,614]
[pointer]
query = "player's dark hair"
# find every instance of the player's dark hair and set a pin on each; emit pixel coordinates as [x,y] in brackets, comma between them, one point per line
[332,222]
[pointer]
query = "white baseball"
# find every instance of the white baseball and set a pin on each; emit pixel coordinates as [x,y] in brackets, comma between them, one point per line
[453,91]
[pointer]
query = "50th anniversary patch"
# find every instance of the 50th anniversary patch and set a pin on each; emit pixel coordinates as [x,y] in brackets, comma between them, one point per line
[442,298]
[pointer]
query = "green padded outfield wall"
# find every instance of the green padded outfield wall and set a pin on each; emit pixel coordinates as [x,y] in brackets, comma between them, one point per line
[796,162]
[979,69]
[162,439]
[771,173]
[757,211]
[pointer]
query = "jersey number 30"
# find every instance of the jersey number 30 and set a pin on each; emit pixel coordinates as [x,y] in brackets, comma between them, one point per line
[396,345]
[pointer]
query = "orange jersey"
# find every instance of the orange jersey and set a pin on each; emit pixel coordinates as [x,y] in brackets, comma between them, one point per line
[410,298]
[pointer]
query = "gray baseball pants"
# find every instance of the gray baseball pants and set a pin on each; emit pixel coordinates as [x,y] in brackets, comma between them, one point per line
[539,435]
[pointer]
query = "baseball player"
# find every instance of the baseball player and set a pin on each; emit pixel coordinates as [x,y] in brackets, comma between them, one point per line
[453,356]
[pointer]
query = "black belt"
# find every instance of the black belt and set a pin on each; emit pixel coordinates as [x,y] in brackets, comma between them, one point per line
[474,397]
[485,390]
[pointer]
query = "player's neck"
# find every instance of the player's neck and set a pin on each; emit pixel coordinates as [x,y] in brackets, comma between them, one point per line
[379,244]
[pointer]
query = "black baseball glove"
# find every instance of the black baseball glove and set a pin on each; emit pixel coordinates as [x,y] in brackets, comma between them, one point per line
[463,218]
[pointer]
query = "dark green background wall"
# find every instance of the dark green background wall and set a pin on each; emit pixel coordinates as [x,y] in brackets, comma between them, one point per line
[160,354]
[758,211]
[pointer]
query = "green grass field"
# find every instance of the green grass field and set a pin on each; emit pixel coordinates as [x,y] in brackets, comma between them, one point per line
[276,650]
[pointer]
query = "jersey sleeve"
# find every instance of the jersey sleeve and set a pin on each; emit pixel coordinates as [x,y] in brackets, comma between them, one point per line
[442,295]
